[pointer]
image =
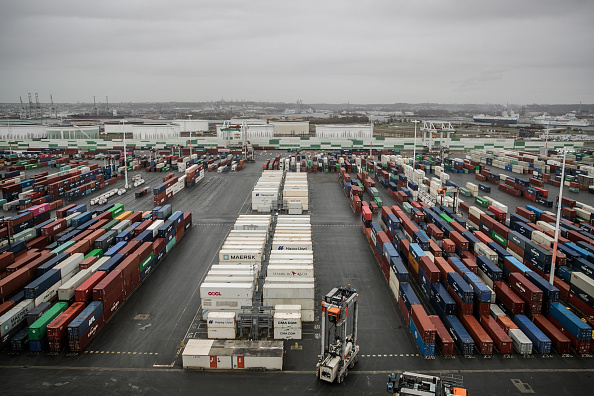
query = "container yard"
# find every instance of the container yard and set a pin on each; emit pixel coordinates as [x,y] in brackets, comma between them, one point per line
[445,283]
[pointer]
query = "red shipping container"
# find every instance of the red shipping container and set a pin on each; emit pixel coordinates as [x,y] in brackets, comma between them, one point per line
[84,292]
[53,228]
[500,215]
[6,306]
[459,240]
[38,243]
[501,340]
[515,248]
[434,232]
[129,248]
[112,282]
[180,230]
[560,342]
[405,313]
[563,288]
[443,339]
[83,235]
[83,247]
[525,289]
[444,267]
[22,260]
[482,341]
[435,249]
[94,235]
[130,269]
[423,324]
[88,262]
[580,305]
[15,282]
[506,323]
[470,262]
[510,299]
[461,307]
[464,206]
[61,213]
[429,268]
[449,246]
[481,308]
[142,227]
[6,259]
[501,229]
[457,227]
[135,217]
[159,244]
[97,225]
[57,330]
[112,303]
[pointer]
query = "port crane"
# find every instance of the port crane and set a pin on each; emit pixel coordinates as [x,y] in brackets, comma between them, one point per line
[339,350]
[413,384]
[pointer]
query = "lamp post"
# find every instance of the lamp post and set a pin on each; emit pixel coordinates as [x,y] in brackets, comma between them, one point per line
[415,144]
[552,275]
[125,155]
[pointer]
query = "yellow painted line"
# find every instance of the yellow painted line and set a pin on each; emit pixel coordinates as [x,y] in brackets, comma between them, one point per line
[86,351]
[385,355]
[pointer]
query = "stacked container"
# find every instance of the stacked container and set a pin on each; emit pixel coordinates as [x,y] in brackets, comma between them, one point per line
[267,190]
[221,325]
[295,192]
[287,322]
[290,271]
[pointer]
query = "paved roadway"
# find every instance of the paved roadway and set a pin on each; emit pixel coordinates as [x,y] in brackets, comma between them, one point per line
[137,351]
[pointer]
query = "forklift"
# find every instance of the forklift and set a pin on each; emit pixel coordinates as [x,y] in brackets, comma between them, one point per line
[339,352]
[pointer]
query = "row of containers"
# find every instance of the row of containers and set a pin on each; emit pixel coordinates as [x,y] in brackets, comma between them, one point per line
[60,295]
[173,184]
[288,284]
[276,186]
[456,286]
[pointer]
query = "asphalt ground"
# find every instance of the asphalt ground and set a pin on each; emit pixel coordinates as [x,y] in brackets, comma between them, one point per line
[140,354]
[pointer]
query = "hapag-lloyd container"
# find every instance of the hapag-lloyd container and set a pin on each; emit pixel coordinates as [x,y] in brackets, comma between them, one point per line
[221,319]
[226,290]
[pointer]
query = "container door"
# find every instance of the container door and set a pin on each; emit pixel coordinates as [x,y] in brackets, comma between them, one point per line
[213,362]
[240,363]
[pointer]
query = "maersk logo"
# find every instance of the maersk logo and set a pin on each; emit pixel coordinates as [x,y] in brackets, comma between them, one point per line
[240,257]
[225,257]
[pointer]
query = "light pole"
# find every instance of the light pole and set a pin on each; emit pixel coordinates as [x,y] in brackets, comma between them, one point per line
[552,275]
[125,155]
[415,144]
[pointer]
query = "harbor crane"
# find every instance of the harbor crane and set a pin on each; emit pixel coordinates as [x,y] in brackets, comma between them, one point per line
[339,350]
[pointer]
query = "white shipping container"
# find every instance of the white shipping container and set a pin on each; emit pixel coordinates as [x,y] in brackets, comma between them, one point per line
[287,320]
[306,303]
[546,226]
[69,264]
[541,238]
[240,255]
[288,290]
[287,308]
[394,284]
[154,227]
[227,290]
[496,311]
[291,255]
[14,316]
[225,333]
[583,282]
[288,279]
[487,281]
[292,246]
[482,249]
[121,226]
[292,333]
[66,290]
[221,319]
[218,354]
[229,279]
[522,344]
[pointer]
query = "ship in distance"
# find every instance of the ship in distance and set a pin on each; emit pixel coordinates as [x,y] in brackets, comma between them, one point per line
[505,117]
[567,120]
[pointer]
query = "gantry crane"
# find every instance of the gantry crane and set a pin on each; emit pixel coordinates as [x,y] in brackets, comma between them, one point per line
[340,351]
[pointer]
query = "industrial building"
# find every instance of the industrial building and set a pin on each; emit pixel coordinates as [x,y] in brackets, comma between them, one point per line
[345,131]
[142,130]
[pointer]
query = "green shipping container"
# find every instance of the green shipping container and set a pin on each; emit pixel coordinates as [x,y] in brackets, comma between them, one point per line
[407,207]
[3,201]
[499,239]
[116,210]
[445,217]
[465,192]
[165,169]
[147,261]
[95,252]
[110,225]
[378,201]
[38,329]
[481,201]
[64,246]
[170,245]
[373,192]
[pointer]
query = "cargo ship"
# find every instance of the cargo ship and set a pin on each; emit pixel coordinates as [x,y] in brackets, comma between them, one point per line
[567,120]
[510,118]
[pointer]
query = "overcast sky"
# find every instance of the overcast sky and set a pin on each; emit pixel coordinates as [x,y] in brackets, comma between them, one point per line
[334,51]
